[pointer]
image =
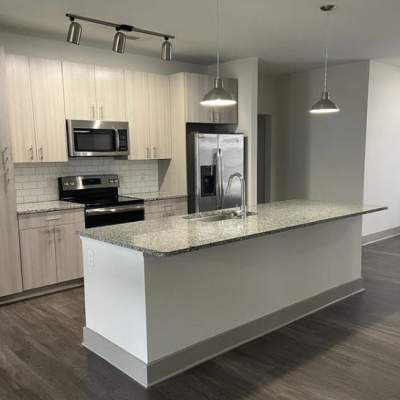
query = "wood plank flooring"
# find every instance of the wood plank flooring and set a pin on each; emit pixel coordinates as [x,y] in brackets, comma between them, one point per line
[350,351]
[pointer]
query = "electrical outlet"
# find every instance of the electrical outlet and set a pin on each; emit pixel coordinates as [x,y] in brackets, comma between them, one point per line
[90,258]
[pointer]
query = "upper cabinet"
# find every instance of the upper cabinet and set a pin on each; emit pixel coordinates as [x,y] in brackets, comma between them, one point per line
[20,111]
[36,109]
[93,92]
[196,86]
[159,116]
[79,91]
[110,94]
[48,109]
[148,104]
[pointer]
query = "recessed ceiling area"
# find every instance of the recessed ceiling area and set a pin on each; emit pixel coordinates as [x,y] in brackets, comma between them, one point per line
[287,34]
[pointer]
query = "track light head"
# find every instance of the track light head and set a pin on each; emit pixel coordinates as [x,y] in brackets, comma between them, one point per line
[74,32]
[166,50]
[119,42]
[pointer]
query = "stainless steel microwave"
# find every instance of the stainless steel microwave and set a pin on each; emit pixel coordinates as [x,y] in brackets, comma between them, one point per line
[97,138]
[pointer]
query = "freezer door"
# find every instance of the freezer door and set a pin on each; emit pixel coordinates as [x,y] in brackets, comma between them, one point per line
[206,172]
[232,160]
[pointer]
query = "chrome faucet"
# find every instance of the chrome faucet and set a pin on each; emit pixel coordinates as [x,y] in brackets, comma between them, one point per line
[243,190]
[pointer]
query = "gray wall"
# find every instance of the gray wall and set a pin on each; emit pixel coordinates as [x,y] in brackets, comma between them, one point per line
[322,157]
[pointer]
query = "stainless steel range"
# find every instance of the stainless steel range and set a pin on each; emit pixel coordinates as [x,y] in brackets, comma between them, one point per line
[103,204]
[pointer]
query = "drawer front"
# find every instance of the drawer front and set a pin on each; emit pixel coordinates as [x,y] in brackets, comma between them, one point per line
[51,219]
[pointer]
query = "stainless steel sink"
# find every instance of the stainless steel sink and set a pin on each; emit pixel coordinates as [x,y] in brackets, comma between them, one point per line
[220,216]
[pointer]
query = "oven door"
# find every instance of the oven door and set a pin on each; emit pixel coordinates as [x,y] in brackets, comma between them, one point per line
[95,138]
[112,215]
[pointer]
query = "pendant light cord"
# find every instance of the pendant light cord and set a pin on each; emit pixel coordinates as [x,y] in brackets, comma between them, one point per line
[326,51]
[218,36]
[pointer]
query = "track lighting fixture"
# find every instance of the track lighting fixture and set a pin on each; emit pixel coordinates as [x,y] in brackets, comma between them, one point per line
[119,43]
[166,50]
[74,32]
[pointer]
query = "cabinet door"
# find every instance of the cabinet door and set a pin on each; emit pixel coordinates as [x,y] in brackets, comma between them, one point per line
[196,86]
[110,94]
[159,116]
[48,109]
[68,252]
[38,257]
[20,112]
[228,115]
[79,91]
[10,266]
[137,107]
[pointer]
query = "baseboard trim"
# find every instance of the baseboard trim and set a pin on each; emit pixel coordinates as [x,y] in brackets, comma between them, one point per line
[382,235]
[43,291]
[159,370]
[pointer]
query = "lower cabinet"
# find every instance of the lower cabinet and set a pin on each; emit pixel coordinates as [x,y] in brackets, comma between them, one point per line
[162,208]
[50,248]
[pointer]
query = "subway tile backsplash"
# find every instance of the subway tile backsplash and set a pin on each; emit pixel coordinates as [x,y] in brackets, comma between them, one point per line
[38,181]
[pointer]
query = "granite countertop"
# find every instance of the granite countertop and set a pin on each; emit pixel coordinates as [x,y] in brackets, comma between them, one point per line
[175,235]
[46,206]
[151,196]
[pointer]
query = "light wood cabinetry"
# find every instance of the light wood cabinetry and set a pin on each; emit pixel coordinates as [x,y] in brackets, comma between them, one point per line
[36,109]
[48,109]
[38,257]
[20,110]
[50,247]
[159,116]
[110,93]
[148,104]
[196,86]
[79,91]
[10,266]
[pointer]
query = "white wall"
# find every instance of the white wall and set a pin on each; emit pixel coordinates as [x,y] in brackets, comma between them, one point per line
[382,156]
[322,157]
[246,71]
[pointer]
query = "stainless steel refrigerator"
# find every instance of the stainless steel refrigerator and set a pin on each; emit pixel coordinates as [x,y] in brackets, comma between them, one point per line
[211,160]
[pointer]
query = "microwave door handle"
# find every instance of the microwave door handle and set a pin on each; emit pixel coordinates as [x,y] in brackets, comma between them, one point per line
[116,139]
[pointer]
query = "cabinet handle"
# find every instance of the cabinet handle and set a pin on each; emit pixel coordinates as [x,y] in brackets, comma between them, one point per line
[41,152]
[31,152]
[101,112]
[4,156]
[155,151]
[53,218]
[147,152]
[58,232]
[93,112]
[49,233]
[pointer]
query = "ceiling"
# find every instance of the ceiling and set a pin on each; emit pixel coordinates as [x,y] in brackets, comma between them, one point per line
[287,34]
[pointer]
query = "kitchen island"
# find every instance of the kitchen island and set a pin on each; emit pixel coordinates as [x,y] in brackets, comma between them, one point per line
[164,295]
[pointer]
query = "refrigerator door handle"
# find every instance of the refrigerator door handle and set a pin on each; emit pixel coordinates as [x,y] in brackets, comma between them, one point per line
[219,180]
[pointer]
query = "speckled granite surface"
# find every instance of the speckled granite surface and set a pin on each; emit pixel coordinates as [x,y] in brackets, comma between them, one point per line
[175,235]
[151,196]
[46,206]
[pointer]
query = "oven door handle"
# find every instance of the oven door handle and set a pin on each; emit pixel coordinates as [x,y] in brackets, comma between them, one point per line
[114,210]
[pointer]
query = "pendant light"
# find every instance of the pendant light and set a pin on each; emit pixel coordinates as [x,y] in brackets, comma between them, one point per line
[218,96]
[325,105]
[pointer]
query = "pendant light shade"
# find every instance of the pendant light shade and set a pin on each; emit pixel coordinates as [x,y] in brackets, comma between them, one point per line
[218,96]
[325,105]
[74,32]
